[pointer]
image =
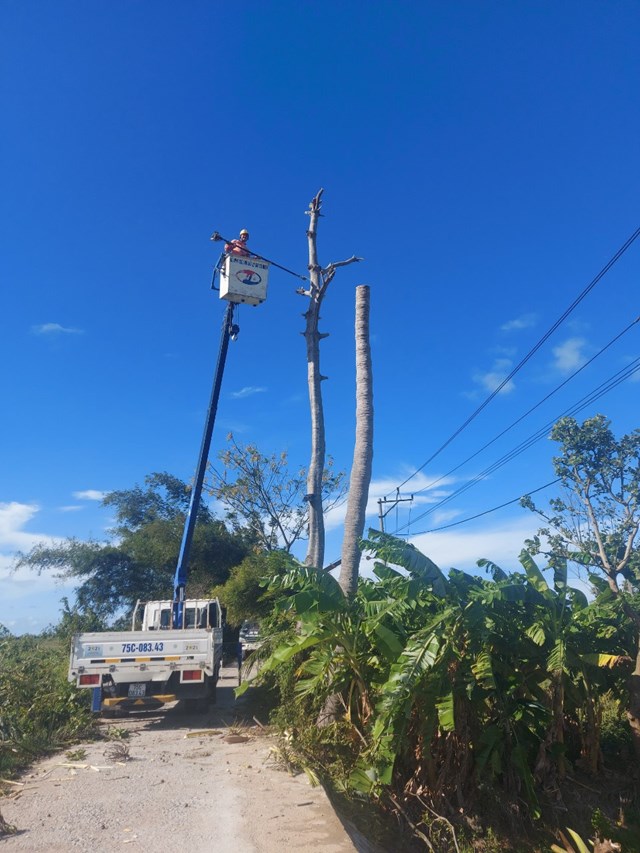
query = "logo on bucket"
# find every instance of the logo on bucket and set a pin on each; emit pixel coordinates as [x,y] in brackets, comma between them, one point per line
[248,277]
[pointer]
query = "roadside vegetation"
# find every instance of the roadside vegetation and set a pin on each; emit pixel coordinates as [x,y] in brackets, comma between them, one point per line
[39,710]
[490,711]
[496,711]
[473,709]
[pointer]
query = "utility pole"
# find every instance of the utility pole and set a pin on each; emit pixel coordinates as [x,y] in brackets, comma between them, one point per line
[394,503]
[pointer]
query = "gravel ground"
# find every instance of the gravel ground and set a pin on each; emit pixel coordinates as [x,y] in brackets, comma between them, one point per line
[196,783]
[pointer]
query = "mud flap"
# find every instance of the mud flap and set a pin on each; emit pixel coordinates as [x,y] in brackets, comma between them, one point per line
[140,703]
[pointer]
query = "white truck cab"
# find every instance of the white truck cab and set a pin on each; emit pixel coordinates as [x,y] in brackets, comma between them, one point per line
[157,615]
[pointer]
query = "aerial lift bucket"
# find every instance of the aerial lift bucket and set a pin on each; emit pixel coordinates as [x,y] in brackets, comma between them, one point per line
[244,279]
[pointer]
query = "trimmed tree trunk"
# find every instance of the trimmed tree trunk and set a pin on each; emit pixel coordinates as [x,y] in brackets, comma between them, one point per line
[363,450]
[319,280]
[315,548]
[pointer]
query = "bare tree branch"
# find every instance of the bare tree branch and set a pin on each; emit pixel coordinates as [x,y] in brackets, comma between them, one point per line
[335,264]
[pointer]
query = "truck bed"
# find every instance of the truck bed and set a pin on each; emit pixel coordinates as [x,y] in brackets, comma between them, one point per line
[143,656]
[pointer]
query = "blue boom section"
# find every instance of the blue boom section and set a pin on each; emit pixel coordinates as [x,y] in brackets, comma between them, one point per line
[182,569]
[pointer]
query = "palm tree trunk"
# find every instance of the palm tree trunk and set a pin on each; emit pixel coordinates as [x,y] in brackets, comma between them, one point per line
[363,450]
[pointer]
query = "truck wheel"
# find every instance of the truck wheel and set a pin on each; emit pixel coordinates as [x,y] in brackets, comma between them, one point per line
[213,684]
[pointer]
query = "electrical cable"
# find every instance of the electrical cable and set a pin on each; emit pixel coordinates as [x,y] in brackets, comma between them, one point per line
[530,354]
[602,389]
[486,512]
[529,411]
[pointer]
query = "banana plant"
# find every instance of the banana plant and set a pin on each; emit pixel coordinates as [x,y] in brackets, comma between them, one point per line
[448,681]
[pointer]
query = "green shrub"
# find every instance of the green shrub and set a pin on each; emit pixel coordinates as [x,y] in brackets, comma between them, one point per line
[615,735]
[39,709]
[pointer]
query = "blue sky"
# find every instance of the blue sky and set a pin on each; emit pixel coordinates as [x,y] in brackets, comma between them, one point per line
[481,157]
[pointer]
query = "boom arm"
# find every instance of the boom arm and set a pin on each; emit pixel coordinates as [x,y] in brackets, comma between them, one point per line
[180,578]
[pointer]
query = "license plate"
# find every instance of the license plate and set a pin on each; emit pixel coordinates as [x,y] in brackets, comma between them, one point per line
[137,689]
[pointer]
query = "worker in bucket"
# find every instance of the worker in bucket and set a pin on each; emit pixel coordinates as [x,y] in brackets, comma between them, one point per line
[239,246]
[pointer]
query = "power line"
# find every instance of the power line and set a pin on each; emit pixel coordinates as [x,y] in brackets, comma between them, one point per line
[532,409]
[602,389]
[486,512]
[529,355]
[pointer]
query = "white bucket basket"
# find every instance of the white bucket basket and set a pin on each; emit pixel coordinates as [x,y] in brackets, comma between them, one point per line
[244,280]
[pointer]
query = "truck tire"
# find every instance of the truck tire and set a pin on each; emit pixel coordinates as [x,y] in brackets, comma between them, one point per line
[200,704]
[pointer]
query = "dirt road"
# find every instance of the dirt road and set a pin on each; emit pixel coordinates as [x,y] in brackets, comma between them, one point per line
[192,783]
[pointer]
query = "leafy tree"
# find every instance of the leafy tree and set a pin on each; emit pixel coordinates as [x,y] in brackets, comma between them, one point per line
[140,558]
[596,524]
[162,499]
[244,594]
[260,492]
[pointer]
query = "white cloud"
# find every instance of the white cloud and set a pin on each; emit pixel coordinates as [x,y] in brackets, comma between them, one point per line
[568,356]
[70,508]
[55,329]
[14,517]
[247,391]
[461,549]
[421,482]
[22,584]
[496,376]
[443,516]
[90,495]
[525,321]
[507,352]
[500,542]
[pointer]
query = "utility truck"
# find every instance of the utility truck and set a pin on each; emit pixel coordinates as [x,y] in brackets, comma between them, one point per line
[174,648]
[153,663]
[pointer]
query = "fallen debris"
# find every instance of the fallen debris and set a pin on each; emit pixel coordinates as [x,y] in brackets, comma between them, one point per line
[204,733]
[117,751]
[6,828]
